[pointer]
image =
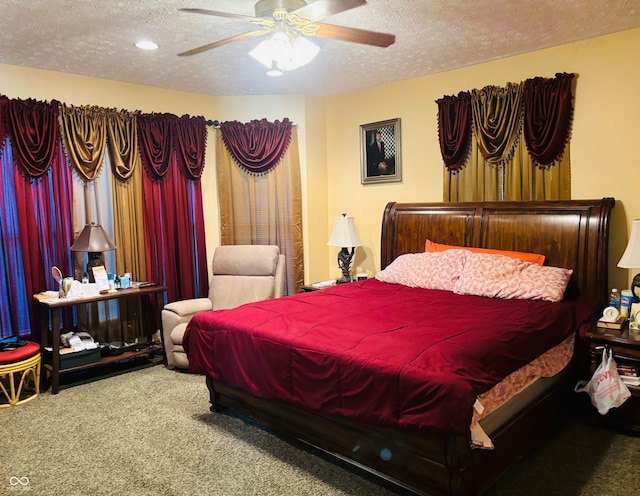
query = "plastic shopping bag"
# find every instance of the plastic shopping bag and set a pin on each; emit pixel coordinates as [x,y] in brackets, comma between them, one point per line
[606,389]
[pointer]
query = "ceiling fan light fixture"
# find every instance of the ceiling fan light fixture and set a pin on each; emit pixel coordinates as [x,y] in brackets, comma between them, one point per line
[280,52]
[303,52]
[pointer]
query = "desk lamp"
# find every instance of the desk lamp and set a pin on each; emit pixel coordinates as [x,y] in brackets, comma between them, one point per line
[94,240]
[344,235]
[631,257]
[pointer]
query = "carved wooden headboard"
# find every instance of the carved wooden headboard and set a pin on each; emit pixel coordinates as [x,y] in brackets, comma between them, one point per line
[571,233]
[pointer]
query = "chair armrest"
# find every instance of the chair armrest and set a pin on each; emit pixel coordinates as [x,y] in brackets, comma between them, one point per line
[184,308]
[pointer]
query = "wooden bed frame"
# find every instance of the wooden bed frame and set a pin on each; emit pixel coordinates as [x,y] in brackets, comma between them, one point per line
[571,234]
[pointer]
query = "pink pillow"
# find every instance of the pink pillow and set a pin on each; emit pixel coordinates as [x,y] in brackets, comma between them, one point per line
[498,276]
[426,270]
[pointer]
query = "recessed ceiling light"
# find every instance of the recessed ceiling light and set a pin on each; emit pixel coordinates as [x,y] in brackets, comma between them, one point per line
[146,45]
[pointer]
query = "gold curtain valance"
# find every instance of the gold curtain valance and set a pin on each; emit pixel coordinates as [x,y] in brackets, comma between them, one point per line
[84,135]
[123,143]
[497,120]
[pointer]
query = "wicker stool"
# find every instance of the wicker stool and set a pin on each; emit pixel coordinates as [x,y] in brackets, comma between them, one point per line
[25,362]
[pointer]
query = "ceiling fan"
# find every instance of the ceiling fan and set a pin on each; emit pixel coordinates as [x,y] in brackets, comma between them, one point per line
[296,19]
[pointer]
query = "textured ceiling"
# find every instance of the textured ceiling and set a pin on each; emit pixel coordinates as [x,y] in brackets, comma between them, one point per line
[96,38]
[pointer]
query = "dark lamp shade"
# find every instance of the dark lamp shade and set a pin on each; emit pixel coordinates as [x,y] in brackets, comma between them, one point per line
[93,239]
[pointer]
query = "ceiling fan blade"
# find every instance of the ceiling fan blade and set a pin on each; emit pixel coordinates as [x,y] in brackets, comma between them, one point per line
[218,43]
[320,9]
[356,35]
[221,14]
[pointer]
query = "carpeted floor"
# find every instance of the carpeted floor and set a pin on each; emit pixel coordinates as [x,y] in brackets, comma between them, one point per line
[150,432]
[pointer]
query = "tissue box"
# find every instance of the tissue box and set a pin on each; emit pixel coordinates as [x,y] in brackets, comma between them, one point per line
[90,289]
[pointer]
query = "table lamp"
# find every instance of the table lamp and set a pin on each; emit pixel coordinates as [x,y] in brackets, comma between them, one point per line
[344,235]
[94,240]
[631,257]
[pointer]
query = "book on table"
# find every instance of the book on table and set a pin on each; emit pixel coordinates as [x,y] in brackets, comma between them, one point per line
[615,324]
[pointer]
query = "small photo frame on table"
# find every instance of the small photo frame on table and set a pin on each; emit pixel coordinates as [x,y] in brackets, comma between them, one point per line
[380,152]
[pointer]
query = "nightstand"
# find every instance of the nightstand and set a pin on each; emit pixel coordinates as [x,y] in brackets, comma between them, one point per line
[625,345]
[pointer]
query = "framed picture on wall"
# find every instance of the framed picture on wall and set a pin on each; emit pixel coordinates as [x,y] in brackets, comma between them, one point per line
[380,152]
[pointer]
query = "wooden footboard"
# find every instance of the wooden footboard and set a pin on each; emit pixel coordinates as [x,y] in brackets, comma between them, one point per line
[437,464]
[426,464]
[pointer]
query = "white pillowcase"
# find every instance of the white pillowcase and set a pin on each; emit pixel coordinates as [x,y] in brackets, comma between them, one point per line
[439,270]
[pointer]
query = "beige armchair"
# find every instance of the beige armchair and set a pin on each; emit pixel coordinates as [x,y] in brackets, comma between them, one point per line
[240,274]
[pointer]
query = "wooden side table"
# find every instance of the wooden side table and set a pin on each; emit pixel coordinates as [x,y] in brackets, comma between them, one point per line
[50,321]
[625,345]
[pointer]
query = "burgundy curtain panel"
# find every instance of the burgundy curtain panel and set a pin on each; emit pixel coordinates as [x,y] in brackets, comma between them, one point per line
[172,203]
[454,129]
[257,146]
[548,113]
[191,140]
[43,191]
[4,108]
[34,133]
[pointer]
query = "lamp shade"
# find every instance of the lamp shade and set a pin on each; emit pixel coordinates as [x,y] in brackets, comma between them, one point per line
[344,233]
[94,239]
[631,257]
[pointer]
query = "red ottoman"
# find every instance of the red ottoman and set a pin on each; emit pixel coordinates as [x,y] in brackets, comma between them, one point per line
[20,365]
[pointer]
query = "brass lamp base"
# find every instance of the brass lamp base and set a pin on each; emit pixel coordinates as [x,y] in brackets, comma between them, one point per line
[95,260]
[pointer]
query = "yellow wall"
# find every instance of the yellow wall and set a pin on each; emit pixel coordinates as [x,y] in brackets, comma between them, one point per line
[605,134]
[605,130]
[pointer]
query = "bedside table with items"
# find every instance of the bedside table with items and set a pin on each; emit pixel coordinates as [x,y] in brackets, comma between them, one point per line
[625,345]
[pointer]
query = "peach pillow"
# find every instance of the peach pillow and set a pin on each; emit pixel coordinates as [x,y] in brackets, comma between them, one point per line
[425,270]
[498,276]
[431,247]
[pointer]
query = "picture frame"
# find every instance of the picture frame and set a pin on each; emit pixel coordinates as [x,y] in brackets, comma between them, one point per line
[380,163]
[100,277]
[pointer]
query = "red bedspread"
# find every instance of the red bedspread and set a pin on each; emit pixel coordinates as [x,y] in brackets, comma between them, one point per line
[378,353]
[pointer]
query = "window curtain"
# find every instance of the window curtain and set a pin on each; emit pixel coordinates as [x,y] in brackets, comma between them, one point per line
[84,136]
[172,152]
[497,121]
[4,105]
[44,200]
[548,117]
[259,190]
[454,129]
[36,229]
[126,191]
[518,144]
[14,306]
